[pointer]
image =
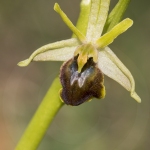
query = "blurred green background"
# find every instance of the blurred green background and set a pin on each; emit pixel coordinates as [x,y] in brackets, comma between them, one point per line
[116,123]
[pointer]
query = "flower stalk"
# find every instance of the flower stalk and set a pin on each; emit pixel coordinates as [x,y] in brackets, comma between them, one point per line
[41,120]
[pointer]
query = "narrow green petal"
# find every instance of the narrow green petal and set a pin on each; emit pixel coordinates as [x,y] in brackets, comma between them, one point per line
[83,18]
[97,18]
[80,36]
[56,45]
[62,54]
[109,37]
[111,66]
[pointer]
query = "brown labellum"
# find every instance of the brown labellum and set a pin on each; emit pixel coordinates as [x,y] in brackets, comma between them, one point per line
[80,87]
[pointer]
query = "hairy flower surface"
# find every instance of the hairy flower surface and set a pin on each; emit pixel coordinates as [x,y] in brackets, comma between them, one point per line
[87,56]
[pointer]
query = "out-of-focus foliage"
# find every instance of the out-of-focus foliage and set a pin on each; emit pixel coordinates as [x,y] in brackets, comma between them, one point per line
[117,122]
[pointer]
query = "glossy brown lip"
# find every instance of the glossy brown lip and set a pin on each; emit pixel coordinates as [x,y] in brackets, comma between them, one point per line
[83,86]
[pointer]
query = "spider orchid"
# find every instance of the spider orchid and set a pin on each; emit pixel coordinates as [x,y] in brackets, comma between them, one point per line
[87,56]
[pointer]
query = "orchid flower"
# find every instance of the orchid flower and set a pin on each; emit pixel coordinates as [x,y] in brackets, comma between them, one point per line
[87,57]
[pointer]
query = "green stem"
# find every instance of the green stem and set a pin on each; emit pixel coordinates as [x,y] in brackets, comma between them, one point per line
[42,119]
[116,15]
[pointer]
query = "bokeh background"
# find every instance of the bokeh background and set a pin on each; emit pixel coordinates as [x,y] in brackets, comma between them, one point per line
[117,122]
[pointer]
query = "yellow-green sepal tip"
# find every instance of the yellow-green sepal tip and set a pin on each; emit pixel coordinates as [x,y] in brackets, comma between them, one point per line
[136,97]
[24,63]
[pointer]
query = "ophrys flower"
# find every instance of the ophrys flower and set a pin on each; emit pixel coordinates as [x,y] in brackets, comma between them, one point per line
[87,56]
